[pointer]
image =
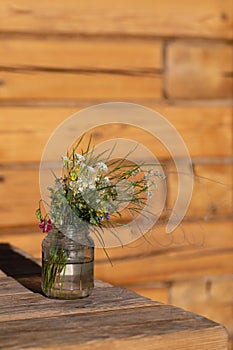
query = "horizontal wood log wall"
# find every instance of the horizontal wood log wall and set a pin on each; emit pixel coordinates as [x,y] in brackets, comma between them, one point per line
[172,56]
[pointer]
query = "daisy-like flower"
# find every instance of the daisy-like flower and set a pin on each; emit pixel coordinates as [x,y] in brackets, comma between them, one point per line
[102,166]
[79,157]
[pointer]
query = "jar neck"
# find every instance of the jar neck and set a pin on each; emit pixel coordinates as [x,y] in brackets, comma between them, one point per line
[75,231]
[78,234]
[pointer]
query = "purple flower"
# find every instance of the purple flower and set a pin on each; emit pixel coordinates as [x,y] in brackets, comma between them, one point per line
[107,216]
[46,225]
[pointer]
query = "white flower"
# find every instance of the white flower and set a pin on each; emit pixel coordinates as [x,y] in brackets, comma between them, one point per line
[72,184]
[65,160]
[90,169]
[102,166]
[79,157]
[160,175]
[81,189]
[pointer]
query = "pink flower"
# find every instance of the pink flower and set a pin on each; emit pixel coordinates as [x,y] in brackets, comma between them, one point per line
[46,225]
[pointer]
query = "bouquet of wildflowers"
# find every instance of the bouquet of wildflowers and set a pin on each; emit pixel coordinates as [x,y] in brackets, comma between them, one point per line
[92,190]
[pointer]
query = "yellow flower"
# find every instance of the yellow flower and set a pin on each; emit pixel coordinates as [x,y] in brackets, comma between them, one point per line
[73,176]
[99,213]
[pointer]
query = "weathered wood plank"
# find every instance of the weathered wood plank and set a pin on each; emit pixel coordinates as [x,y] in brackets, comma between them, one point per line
[33,85]
[121,326]
[199,71]
[81,54]
[9,286]
[121,314]
[22,268]
[200,296]
[24,306]
[186,342]
[208,19]
[25,130]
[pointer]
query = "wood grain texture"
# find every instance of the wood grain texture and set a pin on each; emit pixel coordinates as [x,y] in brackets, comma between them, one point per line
[19,198]
[221,290]
[208,19]
[212,191]
[2,274]
[19,210]
[65,54]
[217,306]
[109,314]
[173,266]
[192,251]
[199,71]
[120,327]
[8,286]
[25,130]
[153,291]
[32,85]
[31,306]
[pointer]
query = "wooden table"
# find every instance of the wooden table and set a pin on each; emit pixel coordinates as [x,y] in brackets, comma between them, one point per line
[111,318]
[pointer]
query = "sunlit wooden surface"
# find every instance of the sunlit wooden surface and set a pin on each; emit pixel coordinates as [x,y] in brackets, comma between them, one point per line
[111,317]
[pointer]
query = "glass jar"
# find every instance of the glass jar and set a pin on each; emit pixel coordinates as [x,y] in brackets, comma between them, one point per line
[68,264]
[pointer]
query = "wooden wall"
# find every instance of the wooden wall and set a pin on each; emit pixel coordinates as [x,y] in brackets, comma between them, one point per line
[172,56]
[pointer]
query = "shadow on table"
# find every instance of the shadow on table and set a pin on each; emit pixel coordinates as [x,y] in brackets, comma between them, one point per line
[24,270]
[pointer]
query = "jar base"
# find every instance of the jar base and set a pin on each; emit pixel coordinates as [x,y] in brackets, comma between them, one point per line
[68,295]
